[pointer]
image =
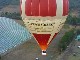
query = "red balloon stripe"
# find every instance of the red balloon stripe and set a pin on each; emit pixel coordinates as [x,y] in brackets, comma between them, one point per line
[52,7]
[35,8]
[43,7]
[65,7]
[28,7]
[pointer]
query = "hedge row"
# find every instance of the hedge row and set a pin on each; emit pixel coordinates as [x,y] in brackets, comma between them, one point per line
[11,15]
[66,40]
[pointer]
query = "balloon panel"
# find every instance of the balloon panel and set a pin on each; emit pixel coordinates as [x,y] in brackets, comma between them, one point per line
[65,7]
[28,7]
[44,26]
[43,8]
[52,7]
[42,40]
[35,7]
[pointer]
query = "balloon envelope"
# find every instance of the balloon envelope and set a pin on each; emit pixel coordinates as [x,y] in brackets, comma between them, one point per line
[44,18]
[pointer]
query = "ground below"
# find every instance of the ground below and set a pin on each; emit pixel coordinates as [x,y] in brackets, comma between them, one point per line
[30,50]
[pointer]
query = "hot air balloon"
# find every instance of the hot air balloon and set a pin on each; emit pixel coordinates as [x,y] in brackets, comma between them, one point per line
[44,19]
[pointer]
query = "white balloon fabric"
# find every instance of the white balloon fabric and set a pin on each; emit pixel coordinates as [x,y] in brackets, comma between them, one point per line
[11,34]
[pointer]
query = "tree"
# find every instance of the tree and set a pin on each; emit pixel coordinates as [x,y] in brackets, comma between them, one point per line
[66,40]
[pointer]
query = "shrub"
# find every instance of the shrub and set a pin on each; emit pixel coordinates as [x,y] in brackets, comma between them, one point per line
[11,15]
[66,40]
